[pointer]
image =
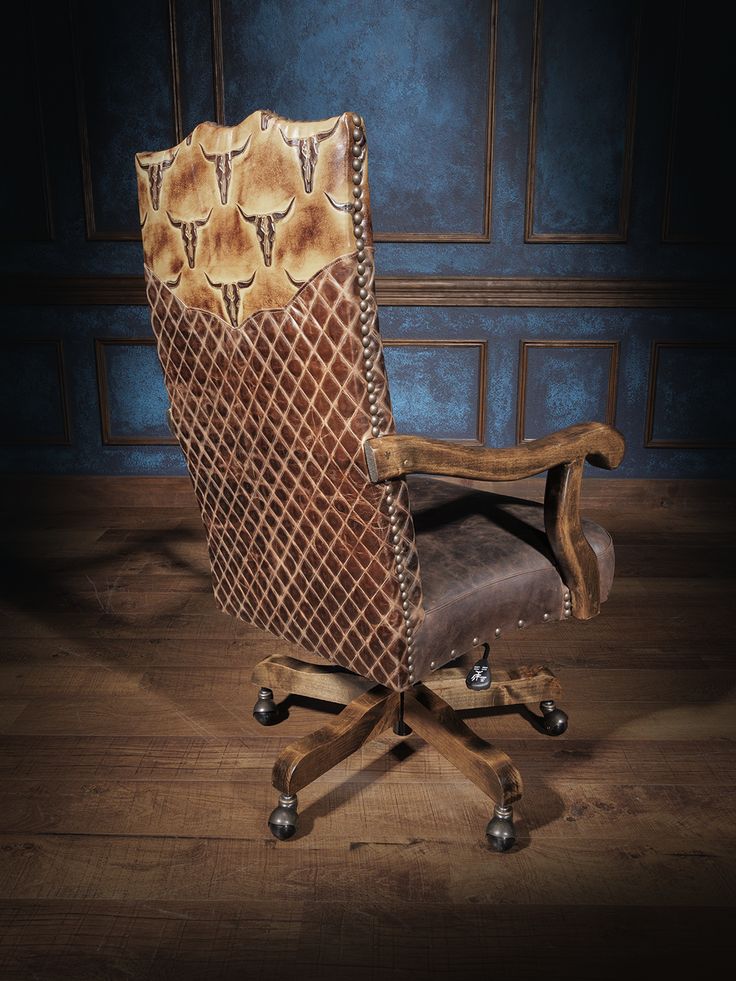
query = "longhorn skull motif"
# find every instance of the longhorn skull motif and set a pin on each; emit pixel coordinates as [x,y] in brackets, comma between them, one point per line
[188,231]
[231,295]
[308,150]
[155,173]
[266,229]
[337,205]
[294,282]
[223,163]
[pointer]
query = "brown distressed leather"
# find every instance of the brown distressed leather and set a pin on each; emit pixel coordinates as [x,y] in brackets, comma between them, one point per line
[486,565]
[271,409]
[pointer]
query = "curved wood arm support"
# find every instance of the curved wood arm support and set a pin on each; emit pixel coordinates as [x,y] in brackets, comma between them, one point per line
[391,456]
[575,559]
[562,454]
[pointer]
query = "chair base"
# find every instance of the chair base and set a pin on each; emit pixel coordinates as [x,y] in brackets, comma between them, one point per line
[428,710]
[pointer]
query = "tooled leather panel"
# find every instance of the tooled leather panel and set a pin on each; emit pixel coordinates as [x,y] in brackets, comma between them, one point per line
[486,566]
[271,416]
[236,219]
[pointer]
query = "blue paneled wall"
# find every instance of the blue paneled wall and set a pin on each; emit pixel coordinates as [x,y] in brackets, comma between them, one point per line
[526,144]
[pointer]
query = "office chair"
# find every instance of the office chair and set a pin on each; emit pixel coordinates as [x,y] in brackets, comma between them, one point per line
[259,267]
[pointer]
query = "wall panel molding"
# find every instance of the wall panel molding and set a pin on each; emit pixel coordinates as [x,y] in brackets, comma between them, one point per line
[94,233]
[482,388]
[621,233]
[612,346]
[650,441]
[483,236]
[109,438]
[58,345]
[419,291]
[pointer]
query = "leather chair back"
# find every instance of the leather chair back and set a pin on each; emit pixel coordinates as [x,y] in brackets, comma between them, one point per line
[259,275]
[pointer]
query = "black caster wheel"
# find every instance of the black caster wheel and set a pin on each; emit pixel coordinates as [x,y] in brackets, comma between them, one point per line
[554,720]
[284,818]
[265,710]
[500,832]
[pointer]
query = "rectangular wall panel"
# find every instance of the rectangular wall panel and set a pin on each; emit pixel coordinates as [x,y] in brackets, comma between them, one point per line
[127,101]
[33,366]
[699,200]
[438,388]
[422,76]
[133,398]
[565,382]
[581,126]
[690,401]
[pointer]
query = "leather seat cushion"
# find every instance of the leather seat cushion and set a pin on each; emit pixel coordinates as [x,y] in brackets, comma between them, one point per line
[485,564]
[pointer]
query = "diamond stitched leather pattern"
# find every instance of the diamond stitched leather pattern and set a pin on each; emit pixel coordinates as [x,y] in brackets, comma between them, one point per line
[271,417]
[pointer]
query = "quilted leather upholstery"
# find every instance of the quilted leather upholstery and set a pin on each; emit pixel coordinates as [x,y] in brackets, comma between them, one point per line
[271,406]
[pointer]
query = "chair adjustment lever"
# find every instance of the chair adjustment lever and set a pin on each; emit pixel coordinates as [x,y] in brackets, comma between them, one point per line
[479,676]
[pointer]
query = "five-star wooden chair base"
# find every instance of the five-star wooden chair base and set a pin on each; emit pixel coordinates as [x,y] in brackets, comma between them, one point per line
[428,709]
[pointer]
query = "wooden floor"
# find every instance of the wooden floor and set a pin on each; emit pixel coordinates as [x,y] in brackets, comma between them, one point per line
[136,787]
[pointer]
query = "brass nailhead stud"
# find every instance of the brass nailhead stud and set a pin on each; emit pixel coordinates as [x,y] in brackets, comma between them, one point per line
[431,665]
[498,631]
[476,640]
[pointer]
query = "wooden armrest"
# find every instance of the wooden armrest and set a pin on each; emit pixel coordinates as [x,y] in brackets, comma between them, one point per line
[562,454]
[392,456]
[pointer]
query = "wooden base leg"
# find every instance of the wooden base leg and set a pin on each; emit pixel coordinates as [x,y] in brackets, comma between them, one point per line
[362,720]
[489,768]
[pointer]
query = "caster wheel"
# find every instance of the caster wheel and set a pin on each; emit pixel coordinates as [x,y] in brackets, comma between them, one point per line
[266,710]
[554,720]
[284,818]
[500,832]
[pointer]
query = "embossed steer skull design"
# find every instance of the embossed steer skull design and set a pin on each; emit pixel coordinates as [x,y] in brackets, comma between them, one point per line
[223,163]
[266,229]
[231,295]
[155,173]
[308,149]
[188,231]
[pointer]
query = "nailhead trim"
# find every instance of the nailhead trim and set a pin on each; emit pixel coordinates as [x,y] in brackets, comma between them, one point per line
[367,320]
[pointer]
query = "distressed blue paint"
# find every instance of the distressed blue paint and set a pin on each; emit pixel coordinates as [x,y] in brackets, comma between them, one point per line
[586,62]
[128,99]
[565,386]
[434,390]
[694,395]
[396,64]
[194,41]
[25,368]
[148,126]
[426,59]
[136,395]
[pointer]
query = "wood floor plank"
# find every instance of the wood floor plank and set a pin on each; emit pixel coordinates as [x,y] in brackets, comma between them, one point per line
[662,872]
[191,941]
[135,786]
